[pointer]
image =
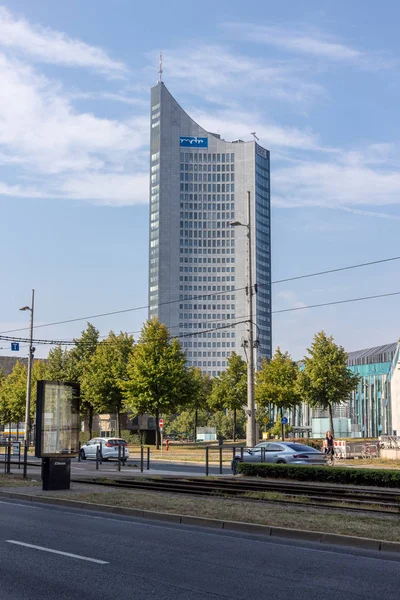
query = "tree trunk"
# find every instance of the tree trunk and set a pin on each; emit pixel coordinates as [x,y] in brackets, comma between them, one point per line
[118,415]
[90,422]
[157,430]
[331,419]
[234,424]
[282,426]
[195,425]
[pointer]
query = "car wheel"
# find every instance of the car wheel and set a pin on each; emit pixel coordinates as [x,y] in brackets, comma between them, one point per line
[83,455]
[281,462]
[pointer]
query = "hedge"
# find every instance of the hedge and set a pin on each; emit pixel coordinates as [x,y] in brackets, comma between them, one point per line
[326,474]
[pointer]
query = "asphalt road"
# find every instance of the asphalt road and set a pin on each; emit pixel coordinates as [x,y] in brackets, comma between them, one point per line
[50,552]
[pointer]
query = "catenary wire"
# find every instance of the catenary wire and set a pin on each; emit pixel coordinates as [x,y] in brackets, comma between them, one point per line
[204,296]
[191,334]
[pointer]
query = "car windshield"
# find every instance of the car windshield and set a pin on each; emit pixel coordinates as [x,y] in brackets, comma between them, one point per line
[117,442]
[301,448]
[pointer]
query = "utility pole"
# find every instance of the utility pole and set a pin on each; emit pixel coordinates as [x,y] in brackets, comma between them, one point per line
[250,411]
[29,378]
[251,420]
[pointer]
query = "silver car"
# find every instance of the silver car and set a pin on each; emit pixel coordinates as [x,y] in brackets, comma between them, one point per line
[107,446]
[284,453]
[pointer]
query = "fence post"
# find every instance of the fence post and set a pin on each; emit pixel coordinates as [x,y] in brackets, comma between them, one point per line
[141,458]
[25,459]
[79,452]
[19,455]
[119,457]
[97,458]
[148,458]
[9,458]
[241,453]
[207,461]
[220,460]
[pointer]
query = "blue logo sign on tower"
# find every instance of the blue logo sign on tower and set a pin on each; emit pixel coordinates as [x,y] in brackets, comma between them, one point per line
[187,141]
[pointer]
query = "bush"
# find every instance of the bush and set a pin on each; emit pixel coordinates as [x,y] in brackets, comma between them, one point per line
[314,443]
[373,477]
[130,437]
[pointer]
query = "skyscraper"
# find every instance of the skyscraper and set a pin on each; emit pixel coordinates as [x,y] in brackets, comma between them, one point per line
[198,261]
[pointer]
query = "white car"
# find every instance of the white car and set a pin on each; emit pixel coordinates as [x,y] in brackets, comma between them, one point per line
[108,448]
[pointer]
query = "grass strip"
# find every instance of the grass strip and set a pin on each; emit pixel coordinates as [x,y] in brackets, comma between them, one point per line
[384,528]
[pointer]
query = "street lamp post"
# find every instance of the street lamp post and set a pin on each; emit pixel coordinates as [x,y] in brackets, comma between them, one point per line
[251,417]
[29,378]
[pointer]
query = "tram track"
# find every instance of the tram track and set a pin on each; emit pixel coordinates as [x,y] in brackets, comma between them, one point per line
[307,495]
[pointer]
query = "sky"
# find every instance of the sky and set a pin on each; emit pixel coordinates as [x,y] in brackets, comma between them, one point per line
[319,83]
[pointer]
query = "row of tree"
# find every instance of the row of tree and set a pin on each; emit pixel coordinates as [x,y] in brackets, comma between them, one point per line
[151,376]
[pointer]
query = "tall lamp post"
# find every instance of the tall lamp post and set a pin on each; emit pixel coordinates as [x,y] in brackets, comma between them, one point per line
[251,417]
[29,379]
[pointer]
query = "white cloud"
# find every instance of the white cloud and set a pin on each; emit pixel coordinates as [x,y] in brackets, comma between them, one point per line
[233,125]
[116,189]
[49,46]
[335,184]
[18,191]
[316,43]
[220,76]
[42,133]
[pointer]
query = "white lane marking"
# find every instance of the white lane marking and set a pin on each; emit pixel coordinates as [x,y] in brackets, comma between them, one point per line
[94,560]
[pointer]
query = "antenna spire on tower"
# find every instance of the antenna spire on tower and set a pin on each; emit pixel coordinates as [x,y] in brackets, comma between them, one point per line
[160,70]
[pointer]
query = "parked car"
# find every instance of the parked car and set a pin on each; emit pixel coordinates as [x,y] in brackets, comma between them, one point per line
[284,453]
[108,448]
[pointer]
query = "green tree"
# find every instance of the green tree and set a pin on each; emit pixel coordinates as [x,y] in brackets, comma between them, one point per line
[326,380]
[5,416]
[59,366]
[78,363]
[230,388]
[157,374]
[13,392]
[276,383]
[183,424]
[224,424]
[107,369]
[200,389]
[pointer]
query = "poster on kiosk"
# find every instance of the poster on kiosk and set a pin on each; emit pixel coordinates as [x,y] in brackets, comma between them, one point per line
[57,431]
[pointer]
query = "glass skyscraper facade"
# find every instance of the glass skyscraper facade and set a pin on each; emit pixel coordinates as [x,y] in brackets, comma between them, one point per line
[198,262]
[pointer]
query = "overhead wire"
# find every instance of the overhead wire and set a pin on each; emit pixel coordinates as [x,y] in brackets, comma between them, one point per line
[210,295]
[228,325]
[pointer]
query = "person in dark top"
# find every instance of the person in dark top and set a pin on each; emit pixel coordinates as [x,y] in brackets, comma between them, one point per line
[329,447]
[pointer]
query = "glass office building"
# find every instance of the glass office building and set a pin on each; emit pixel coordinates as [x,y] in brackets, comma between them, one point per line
[373,409]
[198,262]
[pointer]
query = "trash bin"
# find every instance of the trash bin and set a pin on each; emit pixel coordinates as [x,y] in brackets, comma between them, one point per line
[56,473]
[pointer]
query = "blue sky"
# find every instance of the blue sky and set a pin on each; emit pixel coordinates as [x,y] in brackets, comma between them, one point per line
[318,82]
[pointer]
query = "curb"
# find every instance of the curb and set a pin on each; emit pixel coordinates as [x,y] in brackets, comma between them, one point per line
[267,530]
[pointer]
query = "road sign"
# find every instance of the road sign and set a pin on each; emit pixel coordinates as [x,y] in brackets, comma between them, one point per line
[161,423]
[15,346]
[284,421]
[265,420]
